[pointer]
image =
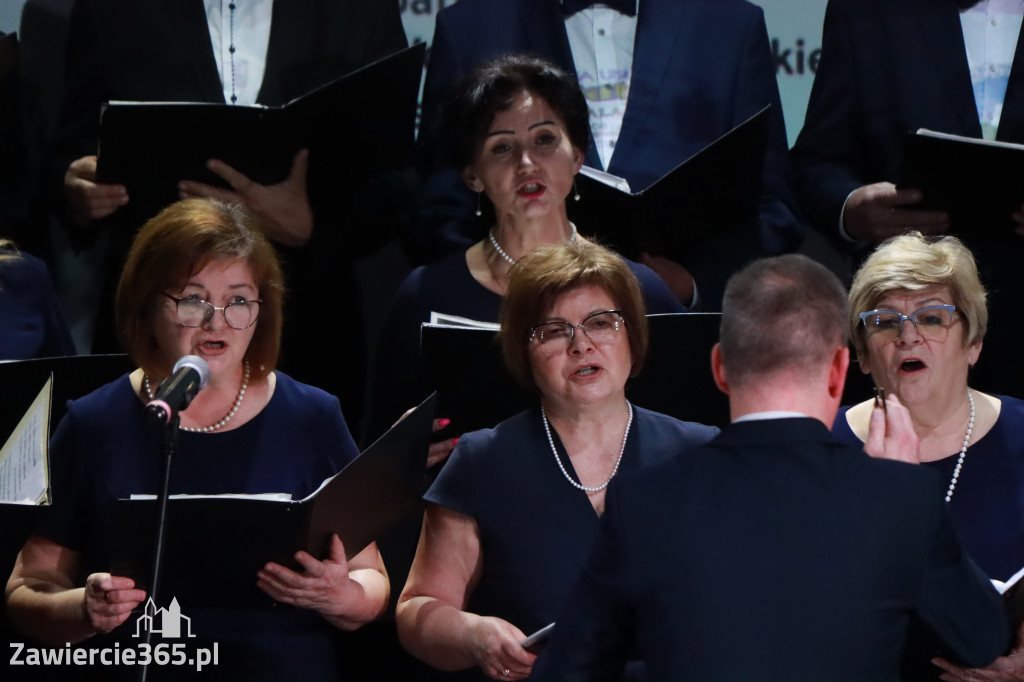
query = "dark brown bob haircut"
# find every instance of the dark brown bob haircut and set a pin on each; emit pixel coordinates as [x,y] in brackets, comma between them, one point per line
[172,247]
[493,85]
[539,278]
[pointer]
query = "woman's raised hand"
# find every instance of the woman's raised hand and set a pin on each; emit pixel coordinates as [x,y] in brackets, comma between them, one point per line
[891,433]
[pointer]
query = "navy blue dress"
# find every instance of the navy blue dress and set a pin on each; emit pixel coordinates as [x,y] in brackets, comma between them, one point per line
[31,322]
[102,451]
[448,287]
[988,504]
[535,528]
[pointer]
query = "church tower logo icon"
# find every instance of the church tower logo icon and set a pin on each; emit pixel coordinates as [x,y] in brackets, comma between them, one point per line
[167,622]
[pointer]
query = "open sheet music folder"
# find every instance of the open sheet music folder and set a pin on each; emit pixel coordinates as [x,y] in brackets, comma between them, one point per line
[239,534]
[980,183]
[715,190]
[72,377]
[475,391]
[355,127]
[24,460]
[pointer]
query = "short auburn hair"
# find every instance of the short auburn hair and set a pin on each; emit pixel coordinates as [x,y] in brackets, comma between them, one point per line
[538,279]
[172,247]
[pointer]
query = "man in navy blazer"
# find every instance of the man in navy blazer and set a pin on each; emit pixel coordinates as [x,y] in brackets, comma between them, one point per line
[888,68]
[775,552]
[700,67]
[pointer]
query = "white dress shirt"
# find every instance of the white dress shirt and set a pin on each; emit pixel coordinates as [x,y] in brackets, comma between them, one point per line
[601,40]
[247,30]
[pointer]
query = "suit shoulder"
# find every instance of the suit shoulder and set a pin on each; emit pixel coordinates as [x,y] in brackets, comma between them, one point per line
[660,423]
[886,475]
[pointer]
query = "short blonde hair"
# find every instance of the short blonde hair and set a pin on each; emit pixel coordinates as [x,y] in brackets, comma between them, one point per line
[539,278]
[176,244]
[913,262]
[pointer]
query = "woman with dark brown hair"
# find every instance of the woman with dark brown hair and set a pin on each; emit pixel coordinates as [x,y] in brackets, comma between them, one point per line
[200,280]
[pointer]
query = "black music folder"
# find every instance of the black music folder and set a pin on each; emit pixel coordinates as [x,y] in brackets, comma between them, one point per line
[475,391]
[713,191]
[70,377]
[980,183]
[355,127]
[238,535]
[73,377]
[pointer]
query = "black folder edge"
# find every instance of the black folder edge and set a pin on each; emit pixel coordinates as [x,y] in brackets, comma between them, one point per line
[411,57]
[709,150]
[753,129]
[482,393]
[401,452]
[1013,600]
[973,173]
[363,511]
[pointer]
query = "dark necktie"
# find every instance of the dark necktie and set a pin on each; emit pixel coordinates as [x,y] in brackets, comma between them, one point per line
[627,7]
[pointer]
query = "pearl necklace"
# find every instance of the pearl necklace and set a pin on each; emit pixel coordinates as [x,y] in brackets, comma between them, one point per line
[509,259]
[558,460]
[963,450]
[226,418]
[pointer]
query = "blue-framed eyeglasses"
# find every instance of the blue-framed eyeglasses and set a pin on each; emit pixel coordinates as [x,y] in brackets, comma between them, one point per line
[932,321]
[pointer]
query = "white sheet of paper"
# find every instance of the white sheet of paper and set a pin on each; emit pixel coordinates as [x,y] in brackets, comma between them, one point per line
[24,474]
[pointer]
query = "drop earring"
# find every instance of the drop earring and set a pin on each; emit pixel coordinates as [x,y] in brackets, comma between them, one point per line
[575,192]
[479,212]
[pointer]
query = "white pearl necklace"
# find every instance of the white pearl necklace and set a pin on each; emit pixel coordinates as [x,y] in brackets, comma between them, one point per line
[509,259]
[558,460]
[226,418]
[963,450]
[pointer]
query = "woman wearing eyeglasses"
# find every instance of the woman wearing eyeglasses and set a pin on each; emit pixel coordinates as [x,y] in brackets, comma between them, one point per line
[511,515]
[917,320]
[200,280]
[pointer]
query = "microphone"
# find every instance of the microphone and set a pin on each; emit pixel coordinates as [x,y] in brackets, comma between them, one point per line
[191,374]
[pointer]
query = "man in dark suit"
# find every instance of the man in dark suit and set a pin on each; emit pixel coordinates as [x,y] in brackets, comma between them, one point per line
[161,50]
[775,551]
[697,68]
[888,68]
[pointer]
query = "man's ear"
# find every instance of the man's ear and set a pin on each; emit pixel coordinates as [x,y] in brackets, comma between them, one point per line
[718,369]
[837,372]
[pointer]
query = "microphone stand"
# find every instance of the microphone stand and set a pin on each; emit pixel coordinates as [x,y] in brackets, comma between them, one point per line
[169,444]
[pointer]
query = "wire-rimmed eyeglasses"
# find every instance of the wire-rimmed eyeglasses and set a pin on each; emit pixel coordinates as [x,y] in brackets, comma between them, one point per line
[600,327]
[195,312]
